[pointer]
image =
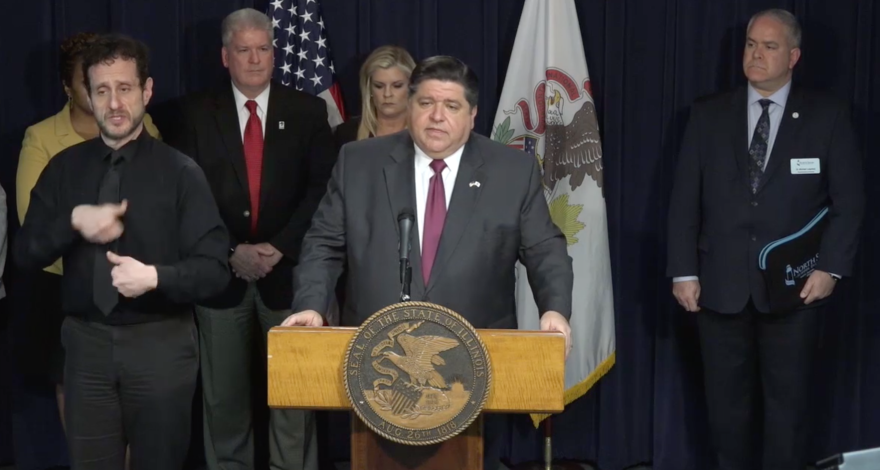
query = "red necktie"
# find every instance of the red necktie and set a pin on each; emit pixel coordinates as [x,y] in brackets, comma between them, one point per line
[435,217]
[253,157]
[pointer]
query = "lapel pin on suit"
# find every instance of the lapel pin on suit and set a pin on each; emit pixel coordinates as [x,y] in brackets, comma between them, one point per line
[795,115]
[281,125]
[474,183]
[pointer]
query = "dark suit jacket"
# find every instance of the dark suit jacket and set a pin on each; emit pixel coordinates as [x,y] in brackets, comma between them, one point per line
[488,227]
[717,227]
[297,162]
[346,132]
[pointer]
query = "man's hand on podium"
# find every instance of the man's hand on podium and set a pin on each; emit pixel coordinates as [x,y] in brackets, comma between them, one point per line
[304,318]
[554,321]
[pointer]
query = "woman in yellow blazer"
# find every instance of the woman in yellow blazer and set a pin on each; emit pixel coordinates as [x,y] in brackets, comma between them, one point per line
[42,141]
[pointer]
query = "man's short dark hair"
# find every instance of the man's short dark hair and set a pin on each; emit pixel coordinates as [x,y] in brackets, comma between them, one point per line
[446,69]
[110,47]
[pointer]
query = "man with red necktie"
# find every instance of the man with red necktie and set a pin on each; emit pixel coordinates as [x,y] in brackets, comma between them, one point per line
[479,208]
[267,151]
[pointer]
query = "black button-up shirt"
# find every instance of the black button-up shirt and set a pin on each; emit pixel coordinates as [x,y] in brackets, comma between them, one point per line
[172,223]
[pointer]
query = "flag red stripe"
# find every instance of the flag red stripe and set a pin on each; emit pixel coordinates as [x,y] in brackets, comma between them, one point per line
[337,97]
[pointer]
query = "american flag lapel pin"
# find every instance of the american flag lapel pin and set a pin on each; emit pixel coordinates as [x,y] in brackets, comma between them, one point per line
[281,125]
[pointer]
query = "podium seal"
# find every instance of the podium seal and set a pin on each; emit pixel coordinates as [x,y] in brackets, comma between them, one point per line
[417,373]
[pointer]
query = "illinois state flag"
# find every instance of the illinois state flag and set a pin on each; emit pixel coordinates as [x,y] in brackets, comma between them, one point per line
[546,109]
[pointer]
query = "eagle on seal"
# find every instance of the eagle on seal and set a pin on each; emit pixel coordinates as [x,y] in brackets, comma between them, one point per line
[421,353]
[571,150]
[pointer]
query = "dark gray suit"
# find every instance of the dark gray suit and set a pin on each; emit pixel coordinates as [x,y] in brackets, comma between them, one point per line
[488,228]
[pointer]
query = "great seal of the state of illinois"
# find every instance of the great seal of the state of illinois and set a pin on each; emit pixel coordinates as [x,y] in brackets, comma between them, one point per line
[417,373]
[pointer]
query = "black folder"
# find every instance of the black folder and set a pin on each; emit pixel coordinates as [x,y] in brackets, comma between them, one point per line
[788,262]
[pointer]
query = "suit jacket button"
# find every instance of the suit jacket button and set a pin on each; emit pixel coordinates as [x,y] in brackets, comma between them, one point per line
[754,203]
[247,213]
[754,238]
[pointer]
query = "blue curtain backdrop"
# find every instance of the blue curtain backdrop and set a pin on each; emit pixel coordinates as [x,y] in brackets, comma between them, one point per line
[648,60]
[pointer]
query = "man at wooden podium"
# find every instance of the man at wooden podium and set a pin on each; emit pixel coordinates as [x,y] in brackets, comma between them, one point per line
[463,258]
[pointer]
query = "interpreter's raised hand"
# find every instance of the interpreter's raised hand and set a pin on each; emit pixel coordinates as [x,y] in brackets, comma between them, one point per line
[99,223]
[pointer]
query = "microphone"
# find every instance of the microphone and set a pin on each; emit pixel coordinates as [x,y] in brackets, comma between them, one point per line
[405,221]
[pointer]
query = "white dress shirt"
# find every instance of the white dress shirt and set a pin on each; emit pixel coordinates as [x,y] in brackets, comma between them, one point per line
[423,175]
[244,114]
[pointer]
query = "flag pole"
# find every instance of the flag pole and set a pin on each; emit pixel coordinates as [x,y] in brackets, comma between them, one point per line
[548,444]
[547,464]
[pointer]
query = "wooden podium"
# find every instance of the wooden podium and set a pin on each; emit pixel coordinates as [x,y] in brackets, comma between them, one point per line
[305,372]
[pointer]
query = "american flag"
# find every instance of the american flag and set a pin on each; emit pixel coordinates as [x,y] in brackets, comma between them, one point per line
[302,56]
[526,143]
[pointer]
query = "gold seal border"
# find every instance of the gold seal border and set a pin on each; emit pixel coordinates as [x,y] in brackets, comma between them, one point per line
[470,328]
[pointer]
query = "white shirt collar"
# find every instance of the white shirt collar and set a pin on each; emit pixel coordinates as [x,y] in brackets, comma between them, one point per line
[780,97]
[423,161]
[262,99]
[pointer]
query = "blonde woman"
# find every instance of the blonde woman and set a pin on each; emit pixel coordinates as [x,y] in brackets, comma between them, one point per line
[384,84]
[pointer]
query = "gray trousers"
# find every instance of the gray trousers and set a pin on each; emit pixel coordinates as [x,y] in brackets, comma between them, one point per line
[226,340]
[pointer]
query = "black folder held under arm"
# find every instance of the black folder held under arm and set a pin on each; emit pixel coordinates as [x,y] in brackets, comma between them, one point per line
[788,262]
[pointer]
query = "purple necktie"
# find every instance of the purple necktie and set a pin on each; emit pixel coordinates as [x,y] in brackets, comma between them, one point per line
[435,217]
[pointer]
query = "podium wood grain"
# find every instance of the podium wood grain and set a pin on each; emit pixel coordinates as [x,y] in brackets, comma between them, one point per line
[370,451]
[305,369]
